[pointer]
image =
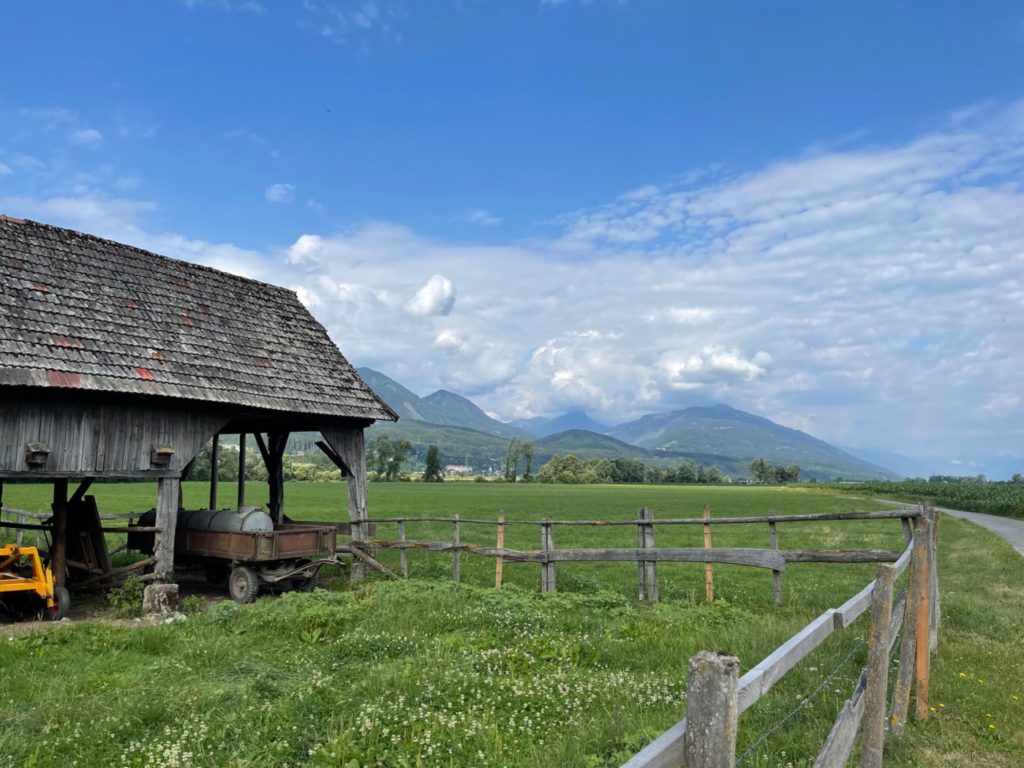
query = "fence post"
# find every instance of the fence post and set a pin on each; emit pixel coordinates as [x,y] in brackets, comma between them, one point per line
[651,565]
[709,570]
[499,562]
[403,553]
[933,570]
[908,636]
[21,533]
[875,694]
[547,568]
[922,662]
[773,542]
[456,552]
[712,712]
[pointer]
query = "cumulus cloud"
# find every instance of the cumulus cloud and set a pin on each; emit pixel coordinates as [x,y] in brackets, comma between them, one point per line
[436,297]
[280,193]
[481,217]
[88,137]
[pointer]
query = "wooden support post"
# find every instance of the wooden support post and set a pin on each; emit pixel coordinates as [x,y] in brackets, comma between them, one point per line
[499,562]
[214,465]
[650,566]
[876,692]
[908,637]
[712,711]
[641,565]
[241,470]
[456,552]
[935,616]
[773,543]
[922,656]
[59,559]
[166,521]
[908,530]
[403,553]
[348,451]
[709,570]
[547,567]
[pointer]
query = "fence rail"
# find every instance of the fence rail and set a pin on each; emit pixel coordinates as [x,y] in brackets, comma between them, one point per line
[706,739]
[646,554]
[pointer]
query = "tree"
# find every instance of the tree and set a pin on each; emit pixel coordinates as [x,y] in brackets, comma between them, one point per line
[687,473]
[702,475]
[758,471]
[527,451]
[1017,479]
[793,473]
[713,475]
[512,455]
[433,473]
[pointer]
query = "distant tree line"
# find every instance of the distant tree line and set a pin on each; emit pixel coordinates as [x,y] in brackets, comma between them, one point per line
[570,468]
[518,451]
[763,473]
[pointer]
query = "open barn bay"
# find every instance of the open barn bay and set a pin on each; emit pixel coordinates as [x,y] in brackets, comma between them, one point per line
[426,672]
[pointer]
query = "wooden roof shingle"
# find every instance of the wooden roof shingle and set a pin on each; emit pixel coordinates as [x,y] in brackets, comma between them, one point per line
[81,312]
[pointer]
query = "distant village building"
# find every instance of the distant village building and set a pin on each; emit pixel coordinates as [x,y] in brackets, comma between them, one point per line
[458,470]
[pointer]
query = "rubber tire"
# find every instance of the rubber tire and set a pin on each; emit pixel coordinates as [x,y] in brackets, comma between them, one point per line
[304,584]
[243,584]
[62,600]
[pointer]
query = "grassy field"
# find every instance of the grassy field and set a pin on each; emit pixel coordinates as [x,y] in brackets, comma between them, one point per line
[428,673]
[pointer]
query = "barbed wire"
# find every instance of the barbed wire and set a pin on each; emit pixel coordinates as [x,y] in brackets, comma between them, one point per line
[799,707]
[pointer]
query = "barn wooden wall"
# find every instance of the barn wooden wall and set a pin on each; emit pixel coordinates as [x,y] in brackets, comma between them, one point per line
[99,438]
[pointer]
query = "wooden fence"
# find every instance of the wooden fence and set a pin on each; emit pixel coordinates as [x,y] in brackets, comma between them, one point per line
[646,554]
[717,695]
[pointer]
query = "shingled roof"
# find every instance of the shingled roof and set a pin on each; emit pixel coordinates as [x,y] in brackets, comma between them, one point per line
[80,312]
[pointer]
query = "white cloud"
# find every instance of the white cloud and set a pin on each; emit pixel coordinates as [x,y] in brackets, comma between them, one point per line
[305,250]
[481,217]
[448,340]
[344,23]
[247,6]
[6,170]
[436,297]
[280,193]
[88,137]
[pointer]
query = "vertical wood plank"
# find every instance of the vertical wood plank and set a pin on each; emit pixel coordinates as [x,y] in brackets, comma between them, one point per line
[933,570]
[166,521]
[403,554]
[60,531]
[641,565]
[711,711]
[214,464]
[773,542]
[456,552]
[908,531]
[547,568]
[876,692]
[499,561]
[908,639]
[348,443]
[709,570]
[922,661]
[241,470]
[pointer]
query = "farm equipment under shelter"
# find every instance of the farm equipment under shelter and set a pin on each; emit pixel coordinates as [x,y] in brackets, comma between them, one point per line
[26,586]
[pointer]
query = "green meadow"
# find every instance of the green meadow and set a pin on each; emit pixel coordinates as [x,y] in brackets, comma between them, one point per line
[426,672]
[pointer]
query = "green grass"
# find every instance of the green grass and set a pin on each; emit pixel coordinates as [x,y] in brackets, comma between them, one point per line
[992,498]
[400,673]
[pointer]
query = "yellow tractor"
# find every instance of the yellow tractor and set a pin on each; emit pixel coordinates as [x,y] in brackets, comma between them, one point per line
[26,586]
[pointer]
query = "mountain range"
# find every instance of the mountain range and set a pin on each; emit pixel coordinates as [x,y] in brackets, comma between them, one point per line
[710,435]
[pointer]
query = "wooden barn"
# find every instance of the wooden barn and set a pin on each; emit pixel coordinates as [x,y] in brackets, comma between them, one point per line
[119,363]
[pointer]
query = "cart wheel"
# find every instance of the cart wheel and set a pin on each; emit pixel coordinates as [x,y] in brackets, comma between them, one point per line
[304,584]
[216,573]
[62,600]
[243,584]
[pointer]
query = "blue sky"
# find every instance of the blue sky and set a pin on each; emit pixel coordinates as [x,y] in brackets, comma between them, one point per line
[809,210]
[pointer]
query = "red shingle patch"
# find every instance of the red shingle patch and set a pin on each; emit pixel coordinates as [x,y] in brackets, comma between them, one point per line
[11,219]
[186,319]
[262,362]
[68,342]
[180,283]
[156,355]
[145,374]
[204,309]
[14,263]
[131,303]
[41,287]
[63,379]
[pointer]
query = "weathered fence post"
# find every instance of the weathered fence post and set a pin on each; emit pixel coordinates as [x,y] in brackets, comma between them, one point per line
[875,694]
[499,562]
[547,567]
[908,530]
[922,661]
[935,615]
[908,635]
[456,550]
[403,553]
[712,712]
[773,542]
[21,533]
[709,571]
[647,574]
